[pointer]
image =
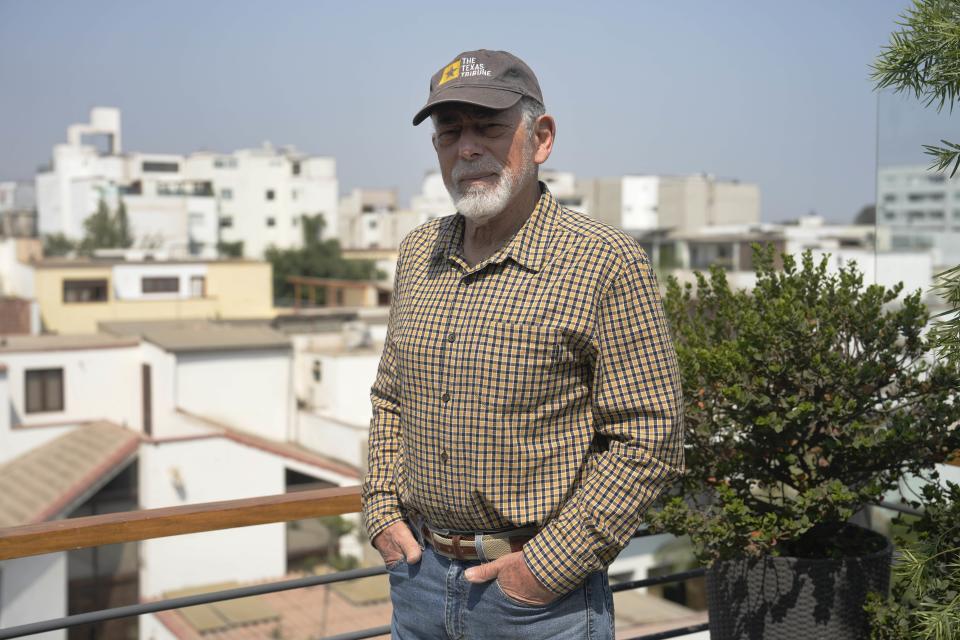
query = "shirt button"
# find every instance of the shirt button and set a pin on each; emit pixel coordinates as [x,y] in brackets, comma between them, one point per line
[451,336]
[443,456]
[445,397]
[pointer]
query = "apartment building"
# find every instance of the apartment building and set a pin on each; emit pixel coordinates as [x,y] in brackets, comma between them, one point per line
[372,219]
[921,208]
[731,248]
[75,295]
[185,204]
[680,204]
[18,215]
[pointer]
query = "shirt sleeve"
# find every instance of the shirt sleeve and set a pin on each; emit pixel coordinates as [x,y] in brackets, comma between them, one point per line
[379,492]
[638,413]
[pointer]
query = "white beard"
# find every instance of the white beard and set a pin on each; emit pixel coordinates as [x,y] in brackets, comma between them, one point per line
[481,203]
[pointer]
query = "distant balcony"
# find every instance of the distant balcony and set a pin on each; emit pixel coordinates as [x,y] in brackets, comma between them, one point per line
[192,189]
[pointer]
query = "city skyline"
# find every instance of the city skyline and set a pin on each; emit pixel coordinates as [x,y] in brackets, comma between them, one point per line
[777,96]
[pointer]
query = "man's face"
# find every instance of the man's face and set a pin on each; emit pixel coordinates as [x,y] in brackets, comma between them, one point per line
[486,157]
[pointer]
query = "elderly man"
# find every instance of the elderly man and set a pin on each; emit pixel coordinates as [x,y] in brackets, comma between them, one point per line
[527,405]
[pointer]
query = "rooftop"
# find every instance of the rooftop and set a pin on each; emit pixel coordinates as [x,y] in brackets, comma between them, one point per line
[88,263]
[181,336]
[53,342]
[53,479]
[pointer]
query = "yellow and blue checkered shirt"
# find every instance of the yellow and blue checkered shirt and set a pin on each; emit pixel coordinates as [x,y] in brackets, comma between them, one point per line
[537,387]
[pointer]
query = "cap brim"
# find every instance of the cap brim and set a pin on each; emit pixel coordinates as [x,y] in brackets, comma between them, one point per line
[478,96]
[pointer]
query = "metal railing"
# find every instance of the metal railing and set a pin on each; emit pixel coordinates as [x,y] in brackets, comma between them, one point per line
[77,533]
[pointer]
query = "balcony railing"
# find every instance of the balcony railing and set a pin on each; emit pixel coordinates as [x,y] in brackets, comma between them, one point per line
[78,533]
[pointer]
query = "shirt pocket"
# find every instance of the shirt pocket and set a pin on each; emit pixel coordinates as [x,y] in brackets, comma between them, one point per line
[520,367]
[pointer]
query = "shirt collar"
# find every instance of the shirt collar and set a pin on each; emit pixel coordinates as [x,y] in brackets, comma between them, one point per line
[528,247]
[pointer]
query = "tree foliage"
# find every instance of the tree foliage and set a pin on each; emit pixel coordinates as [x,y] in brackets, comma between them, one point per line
[230,249]
[106,230]
[804,400]
[317,258]
[923,59]
[925,596]
[57,244]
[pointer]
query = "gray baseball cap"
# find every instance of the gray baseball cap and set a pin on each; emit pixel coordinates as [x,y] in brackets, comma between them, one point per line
[492,79]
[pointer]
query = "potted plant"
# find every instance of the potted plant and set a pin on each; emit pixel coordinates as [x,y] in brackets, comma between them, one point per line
[805,399]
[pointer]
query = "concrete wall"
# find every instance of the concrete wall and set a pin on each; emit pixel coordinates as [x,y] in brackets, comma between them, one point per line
[128,285]
[16,274]
[234,290]
[338,440]
[196,471]
[34,589]
[97,384]
[241,289]
[249,390]
[639,202]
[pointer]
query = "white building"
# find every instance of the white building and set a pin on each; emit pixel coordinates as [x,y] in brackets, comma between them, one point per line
[434,200]
[730,247]
[922,210]
[201,411]
[371,219]
[682,204]
[185,204]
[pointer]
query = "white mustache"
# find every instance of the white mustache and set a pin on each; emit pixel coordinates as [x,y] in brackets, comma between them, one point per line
[464,168]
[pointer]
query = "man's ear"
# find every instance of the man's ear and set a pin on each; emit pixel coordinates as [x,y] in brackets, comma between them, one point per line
[433,139]
[545,132]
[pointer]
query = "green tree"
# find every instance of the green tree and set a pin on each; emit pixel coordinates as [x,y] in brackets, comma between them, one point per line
[124,238]
[923,58]
[317,258]
[230,249]
[57,244]
[105,230]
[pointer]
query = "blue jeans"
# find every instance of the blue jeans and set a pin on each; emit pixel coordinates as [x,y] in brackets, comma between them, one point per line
[432,600]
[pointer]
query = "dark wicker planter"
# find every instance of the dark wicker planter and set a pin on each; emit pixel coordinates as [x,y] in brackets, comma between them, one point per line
[794,598]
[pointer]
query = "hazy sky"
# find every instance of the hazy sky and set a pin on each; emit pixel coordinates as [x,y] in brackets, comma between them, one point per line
[776,93]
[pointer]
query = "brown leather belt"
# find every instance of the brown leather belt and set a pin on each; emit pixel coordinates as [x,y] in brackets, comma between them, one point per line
[476,546]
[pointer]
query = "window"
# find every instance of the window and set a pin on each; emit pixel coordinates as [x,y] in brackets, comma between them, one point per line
[936,196]
[225,163]
[317,371]
[196,219]
[271,222]
[226,194]
[198,286]
[160,167]
[160,284]
[372,224]
[226,222]
[85,290]
[296,168]
[936,214]
[294,194]
[889,197]
[43,390]
[916,197]
[270,194]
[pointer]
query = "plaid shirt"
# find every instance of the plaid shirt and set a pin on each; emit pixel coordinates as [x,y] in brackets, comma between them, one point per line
[537,387]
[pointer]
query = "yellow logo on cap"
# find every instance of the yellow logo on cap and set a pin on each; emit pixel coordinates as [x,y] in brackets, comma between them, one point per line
[450,72]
